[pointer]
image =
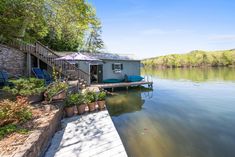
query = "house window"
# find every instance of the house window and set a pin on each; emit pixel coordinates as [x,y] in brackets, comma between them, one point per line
[117,67]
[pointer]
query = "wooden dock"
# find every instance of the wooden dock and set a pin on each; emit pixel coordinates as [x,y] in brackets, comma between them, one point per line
[122,84]
[91,135]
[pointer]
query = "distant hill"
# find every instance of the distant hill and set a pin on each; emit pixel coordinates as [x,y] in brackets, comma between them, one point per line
[195,58]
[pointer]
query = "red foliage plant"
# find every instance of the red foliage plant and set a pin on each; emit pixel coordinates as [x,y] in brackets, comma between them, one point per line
[14,112]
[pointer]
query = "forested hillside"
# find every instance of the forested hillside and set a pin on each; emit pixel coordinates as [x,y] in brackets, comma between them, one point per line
[193,59]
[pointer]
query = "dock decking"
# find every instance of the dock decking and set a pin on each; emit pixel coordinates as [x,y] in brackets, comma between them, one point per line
[92,135]
[122,84]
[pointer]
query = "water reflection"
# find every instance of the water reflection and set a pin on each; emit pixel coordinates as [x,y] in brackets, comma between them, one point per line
[181,119]
[193,74]
[127,102]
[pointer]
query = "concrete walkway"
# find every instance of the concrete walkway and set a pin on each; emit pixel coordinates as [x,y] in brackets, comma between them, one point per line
[92,135]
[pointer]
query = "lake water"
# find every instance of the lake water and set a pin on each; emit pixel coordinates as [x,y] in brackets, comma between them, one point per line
[189,113]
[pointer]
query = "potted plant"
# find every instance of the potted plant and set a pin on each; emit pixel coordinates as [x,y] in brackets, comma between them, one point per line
[31,88]
[56,91]
[101,100]
[90,99]
[81,104]
[70,103]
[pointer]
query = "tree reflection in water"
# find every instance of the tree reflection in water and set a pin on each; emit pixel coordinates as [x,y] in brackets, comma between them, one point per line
[127,102]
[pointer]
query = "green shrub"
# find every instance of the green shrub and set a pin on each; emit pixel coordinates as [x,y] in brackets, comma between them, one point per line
[12,115]
[90,96]
[74,99]
[101,96]
[80,99]
[55,88]
[10,128]
[71,100]
[7,129]
[26,87]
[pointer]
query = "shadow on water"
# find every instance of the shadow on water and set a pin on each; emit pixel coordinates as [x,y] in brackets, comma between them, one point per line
[124,103]
[128,101]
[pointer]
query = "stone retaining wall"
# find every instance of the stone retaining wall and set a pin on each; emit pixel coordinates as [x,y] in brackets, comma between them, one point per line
[12,60]
[37,143]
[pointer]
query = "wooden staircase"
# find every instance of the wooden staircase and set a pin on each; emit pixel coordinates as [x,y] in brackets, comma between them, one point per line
[49,57]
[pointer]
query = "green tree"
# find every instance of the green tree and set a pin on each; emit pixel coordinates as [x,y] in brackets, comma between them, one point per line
[22,18]
[60,24]
[94,42]
[227,58]
[69,21]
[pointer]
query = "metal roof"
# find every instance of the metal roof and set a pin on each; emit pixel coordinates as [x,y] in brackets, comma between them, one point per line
[110,56]
[102,56]
[78,56]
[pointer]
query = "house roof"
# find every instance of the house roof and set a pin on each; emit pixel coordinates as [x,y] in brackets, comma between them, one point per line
[110,56]
[103,56]
[78,56]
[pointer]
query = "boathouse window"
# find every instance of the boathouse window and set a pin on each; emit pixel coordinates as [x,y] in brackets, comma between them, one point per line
[117,67]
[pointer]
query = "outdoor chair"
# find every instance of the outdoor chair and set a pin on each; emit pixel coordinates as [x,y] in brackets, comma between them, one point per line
[4,79]
[42,74]
[47,77]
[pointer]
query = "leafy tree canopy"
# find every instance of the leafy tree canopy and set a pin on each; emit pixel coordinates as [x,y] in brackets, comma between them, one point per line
[63,25]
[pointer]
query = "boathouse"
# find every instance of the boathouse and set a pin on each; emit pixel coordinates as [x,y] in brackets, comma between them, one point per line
[104,67]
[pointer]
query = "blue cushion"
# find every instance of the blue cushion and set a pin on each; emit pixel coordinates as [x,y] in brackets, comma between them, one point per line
[112,80]
[134,78]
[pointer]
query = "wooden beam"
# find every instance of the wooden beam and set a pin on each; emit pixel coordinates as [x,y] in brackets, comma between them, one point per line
[29,64]
[38,62]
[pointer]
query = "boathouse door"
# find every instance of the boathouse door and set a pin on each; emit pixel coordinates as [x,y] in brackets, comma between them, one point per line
[96,73]
[100,73]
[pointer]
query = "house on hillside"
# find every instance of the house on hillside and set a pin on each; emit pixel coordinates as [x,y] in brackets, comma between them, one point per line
[104,67]
[93,68]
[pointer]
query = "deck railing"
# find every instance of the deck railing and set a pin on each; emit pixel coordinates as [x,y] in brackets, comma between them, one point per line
[51,58]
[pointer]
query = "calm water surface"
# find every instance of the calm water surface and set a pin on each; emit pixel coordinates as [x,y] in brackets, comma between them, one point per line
[189,113]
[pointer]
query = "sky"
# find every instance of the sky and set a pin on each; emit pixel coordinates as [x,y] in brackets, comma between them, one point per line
[149,28]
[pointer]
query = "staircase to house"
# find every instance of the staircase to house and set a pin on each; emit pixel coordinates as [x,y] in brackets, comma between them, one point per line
[49,57]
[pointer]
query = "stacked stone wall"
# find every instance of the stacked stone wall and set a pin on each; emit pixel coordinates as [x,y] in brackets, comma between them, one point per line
[13,61]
